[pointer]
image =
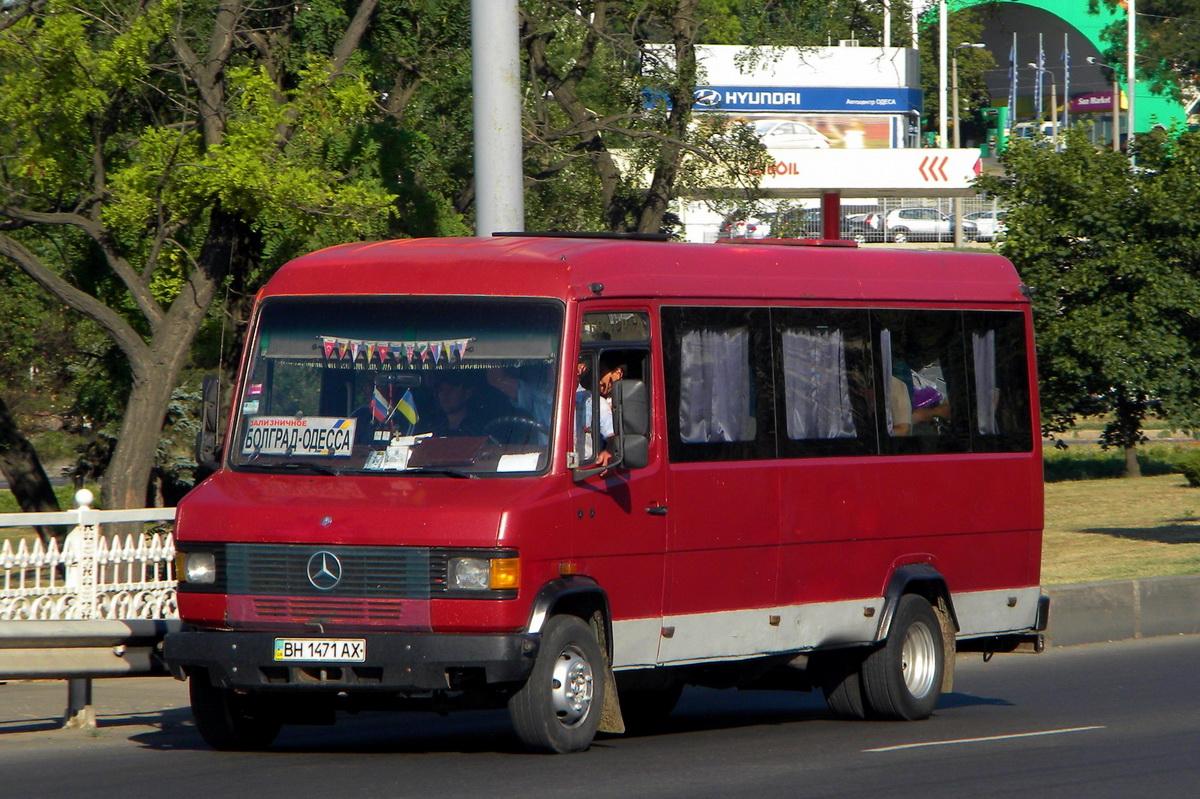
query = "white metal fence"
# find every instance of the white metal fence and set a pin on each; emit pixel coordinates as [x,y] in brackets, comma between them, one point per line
[91,575]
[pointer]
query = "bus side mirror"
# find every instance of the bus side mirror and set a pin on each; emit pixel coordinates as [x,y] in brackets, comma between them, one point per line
[206,437]
[631,423]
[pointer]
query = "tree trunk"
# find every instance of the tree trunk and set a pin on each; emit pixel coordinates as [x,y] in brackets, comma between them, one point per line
[127,476]
[26,478]
[1132,467]
[230,245]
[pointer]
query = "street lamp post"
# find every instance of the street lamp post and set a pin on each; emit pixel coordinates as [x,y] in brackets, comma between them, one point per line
[1116,102]
[1053,104]
[958,228]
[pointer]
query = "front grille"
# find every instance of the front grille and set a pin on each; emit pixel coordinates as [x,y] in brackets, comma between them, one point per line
[357,612]
[365,572]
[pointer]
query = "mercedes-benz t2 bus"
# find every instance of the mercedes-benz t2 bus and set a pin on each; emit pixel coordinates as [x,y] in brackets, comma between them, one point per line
[568,475]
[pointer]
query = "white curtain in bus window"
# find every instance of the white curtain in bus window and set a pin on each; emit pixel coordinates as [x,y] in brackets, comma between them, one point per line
[817,384]
[987,394]
[714,386]
[897,400]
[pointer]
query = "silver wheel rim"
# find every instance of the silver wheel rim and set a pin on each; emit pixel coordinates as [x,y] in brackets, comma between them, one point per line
[571,686]
[918,660]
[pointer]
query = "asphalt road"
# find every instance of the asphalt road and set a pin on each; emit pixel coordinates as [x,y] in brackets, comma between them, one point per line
[1112,720]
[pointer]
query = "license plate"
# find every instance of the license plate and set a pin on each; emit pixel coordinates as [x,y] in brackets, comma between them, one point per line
[327,650]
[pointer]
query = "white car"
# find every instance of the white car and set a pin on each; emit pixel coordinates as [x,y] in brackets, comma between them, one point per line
[744,228]
[930,224]
[789,134]
[990,224]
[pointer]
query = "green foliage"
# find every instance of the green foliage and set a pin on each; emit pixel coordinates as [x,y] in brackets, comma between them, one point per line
[1188,464]
[1088,462]
[963,26]
[1168,43]
[1111,250]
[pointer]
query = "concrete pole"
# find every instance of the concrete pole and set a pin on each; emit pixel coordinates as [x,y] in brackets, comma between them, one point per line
[958,227]
[1116,114]
[1130,74]
[496,85]
[942,25]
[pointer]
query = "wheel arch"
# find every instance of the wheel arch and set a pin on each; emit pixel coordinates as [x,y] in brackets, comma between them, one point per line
[575,596]
[923,580]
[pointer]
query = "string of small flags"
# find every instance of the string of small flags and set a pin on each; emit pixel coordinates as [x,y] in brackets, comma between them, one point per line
[399,353]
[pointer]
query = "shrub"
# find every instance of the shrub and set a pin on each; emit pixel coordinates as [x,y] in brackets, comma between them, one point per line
[1188,463]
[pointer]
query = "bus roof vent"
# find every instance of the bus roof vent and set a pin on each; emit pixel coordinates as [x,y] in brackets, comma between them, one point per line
[567,234]
[792,242]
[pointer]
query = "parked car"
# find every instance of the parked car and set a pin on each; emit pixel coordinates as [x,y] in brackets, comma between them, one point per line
[737,227]
[806,223]
[990,224]
[928,224]
[789,134]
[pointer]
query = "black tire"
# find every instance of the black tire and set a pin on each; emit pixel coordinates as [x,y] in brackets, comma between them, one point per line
[899,235]
[646,710]
[229,721]
[558,709]
[902,679]
[841,681]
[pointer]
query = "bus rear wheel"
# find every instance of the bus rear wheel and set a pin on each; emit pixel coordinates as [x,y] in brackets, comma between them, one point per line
[558,709]
[841,681]
[902,679]
[229,721]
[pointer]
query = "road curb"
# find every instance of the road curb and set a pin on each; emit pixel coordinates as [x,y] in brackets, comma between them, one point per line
[1088,613]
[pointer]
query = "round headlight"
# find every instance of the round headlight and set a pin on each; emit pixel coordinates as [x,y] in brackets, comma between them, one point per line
[470,574]
[200,567]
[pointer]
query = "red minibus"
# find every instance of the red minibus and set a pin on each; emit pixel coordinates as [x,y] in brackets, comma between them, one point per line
[570,474]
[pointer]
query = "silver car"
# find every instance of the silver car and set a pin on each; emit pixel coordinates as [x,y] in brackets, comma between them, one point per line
[990,224]
[923,224]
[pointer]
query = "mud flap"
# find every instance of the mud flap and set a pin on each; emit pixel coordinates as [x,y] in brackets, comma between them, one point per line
[610,715]
[949,647]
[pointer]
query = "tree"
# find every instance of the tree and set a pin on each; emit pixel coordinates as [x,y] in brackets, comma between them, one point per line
[1112,253]
[177,148]
[962,27]
[1168,44]
[610,109]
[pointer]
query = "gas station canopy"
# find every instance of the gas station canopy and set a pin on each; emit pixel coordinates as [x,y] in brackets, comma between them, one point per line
[872,173]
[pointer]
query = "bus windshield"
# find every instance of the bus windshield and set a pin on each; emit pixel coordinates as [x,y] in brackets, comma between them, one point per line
[453,386]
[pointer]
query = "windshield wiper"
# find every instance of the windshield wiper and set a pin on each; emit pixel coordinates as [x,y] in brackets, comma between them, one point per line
[294,466]
[441,470]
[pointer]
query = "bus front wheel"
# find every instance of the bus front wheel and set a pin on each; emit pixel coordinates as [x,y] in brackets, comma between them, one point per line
[902,679]
[558,709]
[229,721]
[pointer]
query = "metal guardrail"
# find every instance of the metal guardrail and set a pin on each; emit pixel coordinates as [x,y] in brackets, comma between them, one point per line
[76,649]
[95,607]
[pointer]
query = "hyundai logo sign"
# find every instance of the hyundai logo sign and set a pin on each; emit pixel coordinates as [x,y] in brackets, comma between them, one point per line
[708,96]
[324,571]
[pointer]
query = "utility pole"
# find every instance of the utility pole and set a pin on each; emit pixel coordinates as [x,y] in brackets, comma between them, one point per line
[496,105]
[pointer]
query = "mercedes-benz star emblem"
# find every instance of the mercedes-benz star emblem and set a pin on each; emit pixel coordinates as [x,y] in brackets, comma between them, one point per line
[324,571]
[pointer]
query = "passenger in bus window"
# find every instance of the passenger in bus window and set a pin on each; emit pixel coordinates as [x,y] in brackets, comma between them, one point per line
[460,406]
[531,396]
[611,370]
[900,407]
[930,405]
[586,444]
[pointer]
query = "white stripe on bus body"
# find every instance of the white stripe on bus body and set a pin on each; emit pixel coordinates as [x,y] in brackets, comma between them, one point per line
[741,634]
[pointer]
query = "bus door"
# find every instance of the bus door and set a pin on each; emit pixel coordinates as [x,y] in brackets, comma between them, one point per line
[723,542]
[624,509]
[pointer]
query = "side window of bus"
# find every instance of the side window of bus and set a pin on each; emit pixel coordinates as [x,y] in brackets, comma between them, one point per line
[615,346]
[825,397]
[999,377]
[719,391]
[925,401]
